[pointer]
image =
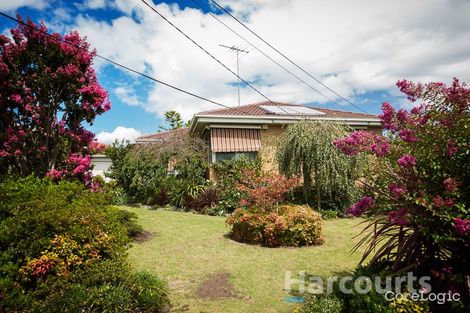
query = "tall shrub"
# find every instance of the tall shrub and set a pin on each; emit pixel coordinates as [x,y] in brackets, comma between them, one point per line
[306,149]
[48,88]
[62,249]
[142,169]
[229,174]
[418,201]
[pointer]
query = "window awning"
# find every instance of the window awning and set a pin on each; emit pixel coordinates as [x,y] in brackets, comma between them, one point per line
[235,140]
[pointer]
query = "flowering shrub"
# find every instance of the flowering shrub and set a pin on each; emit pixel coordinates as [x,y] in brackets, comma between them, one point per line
[289,225]
[63,249]
[264,191]
[47,89]
[418,202]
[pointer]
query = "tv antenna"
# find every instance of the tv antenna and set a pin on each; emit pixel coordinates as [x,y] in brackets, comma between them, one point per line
[237,51]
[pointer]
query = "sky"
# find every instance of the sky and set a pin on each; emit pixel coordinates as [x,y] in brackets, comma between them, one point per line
[358,48]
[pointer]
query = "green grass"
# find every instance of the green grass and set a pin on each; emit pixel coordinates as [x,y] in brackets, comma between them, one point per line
[186,248]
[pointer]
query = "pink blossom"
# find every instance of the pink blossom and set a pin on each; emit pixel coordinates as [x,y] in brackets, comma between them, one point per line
[79,170]
[3,153]
[17,152]
[387,117]
[396,190]
[16,98]
[452,148]
[413,91]
[363,141]
[399,217]
[407,135]
[407,161]
[54,174]
[439,202]
[361,206]
[462,226]
[12,138]
[402,115]
[450,184]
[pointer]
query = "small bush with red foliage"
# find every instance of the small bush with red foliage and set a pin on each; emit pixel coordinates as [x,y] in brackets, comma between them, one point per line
[263,219]
[289,225]
[263,191]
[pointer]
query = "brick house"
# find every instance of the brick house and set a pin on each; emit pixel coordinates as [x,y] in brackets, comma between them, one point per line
[249,130]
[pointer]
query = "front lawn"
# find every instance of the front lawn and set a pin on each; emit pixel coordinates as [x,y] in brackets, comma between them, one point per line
[187,249]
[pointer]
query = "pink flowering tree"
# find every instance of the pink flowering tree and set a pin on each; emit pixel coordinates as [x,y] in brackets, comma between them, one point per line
[418,199]
[48,89]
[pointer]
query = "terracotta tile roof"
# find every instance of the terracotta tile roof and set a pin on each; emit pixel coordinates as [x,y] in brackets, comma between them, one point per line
[162,136]
[256,110]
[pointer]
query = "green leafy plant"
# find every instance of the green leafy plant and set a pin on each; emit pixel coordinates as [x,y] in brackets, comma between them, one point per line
[306,149]
[142,170]
[229,173]
[63,249]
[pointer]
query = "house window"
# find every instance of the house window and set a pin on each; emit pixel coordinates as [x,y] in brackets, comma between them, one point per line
[234,143]
[220,156]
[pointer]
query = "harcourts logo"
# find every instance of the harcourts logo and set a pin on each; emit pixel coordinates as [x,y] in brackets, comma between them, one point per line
[393,288]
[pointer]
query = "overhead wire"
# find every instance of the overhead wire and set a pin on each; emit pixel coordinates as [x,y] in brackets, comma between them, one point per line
[285,57]
[116,63]
[204,50]
[213,57]
[267,56]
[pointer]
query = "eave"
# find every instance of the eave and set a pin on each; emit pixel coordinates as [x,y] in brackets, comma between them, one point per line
[199,121]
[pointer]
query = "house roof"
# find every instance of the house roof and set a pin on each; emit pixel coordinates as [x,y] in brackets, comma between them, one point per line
[256,109]
[163,136]
[261,113]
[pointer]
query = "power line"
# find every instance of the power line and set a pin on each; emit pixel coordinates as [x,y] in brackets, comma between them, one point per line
[60,39]
[116,63]
[214,58]
[284,56]
[270,58]
[205,51]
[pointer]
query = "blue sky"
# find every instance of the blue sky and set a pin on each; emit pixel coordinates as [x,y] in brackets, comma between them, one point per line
[359,50]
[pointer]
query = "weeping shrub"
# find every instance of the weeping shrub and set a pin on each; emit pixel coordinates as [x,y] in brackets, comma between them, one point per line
[329,177]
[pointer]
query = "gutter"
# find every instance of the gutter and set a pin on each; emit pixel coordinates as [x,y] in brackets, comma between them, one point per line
[253,119]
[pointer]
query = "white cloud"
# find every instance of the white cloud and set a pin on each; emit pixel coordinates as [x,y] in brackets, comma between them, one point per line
[119,133]
[11,5]
[354,46]
[127,95]
[95,4]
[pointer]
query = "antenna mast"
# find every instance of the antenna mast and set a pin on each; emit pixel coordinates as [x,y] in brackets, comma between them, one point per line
[237,51]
